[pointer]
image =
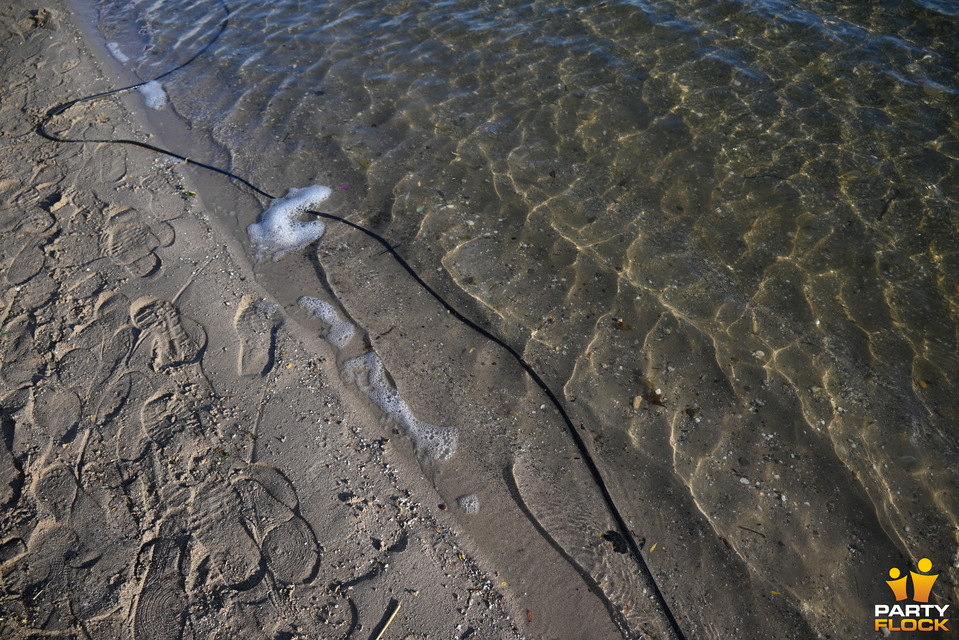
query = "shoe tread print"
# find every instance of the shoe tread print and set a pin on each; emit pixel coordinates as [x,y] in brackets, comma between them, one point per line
[177,340]
[287,540]
[162,603]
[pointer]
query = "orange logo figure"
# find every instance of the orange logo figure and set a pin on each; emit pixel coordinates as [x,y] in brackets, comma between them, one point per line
[897,584]
[922,585]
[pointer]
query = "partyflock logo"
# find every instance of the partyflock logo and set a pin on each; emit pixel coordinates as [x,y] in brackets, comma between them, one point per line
[921,616]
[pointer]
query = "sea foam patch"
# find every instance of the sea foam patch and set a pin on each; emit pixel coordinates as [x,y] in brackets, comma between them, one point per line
[117,52]
[340,330]
[153,94]
[278,231]
[469,503]
[367,373]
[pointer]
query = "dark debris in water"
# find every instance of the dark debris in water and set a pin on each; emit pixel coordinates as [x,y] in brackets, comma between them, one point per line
[617,540]
[654,395]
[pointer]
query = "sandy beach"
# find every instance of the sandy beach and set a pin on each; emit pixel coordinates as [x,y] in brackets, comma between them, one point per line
[182,459]
[178,460]
[216,425]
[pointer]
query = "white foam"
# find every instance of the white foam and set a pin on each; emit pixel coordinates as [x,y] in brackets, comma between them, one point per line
[278,232]
[368,373]
[154,94]
[117,52]
[469,503]
[340,330]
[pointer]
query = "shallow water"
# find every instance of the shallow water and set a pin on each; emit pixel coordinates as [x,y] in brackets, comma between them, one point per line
[724,232]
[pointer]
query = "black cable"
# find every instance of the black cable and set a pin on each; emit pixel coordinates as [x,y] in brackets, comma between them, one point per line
[553,398]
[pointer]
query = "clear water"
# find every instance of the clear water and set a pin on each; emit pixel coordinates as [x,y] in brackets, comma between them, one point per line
[743,213]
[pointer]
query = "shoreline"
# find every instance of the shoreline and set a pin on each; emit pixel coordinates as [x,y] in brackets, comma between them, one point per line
[180,428]
[542,583]
[180,459]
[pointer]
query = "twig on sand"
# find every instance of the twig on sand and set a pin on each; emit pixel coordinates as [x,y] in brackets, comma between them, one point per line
[389,620]
[752,531]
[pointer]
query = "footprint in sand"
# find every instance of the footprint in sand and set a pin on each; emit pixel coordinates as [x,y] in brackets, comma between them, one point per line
[56,412]
[254,525]
[177,340]
[76,370]
[256,331]
[161,606]
[55,490]
[75,563]
[288,543]
[21,362]
[28,262]
[28,273]
[114,351]
[11,472]
[132,244]
[102,347]
[170,421]
[48,577]
[111,311]
[218,524]
[120,415]
[167,443]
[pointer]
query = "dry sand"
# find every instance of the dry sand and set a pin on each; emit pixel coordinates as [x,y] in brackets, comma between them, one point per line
[178,459]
